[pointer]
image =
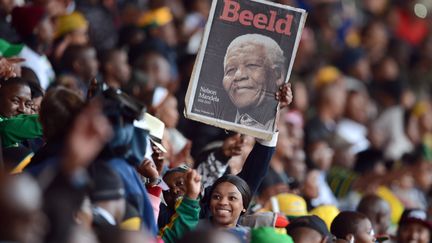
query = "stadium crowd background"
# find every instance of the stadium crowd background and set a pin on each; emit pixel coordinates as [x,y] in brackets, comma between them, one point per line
[351,162]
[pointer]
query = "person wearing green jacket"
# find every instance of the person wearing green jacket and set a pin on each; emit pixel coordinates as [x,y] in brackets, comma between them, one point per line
[16,121]
[13,130]
[187,210]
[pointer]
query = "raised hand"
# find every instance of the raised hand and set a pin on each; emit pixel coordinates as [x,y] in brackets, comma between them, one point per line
[7,67]
[193,184]
[158,158]
[233,145]
[148,169]
[90,131]
[183,156]
[284,95]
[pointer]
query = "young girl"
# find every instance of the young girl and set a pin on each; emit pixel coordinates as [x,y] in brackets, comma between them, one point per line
[229,198]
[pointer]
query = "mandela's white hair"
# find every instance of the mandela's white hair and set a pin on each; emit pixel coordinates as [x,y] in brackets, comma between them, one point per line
[273,51]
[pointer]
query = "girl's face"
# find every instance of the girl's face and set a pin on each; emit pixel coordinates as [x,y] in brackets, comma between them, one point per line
[365,234]
[226,205]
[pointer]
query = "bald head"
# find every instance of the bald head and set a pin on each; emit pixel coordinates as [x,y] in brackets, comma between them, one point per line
[372,204]
[253,67]
[273,51]
[377,210]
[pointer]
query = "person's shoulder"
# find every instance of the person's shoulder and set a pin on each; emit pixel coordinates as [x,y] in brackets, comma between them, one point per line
[29,55]
[20,117]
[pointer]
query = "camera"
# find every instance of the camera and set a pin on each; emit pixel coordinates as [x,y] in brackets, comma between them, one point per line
[120,108]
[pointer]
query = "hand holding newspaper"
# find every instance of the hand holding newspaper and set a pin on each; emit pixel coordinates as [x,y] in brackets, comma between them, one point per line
[246,54]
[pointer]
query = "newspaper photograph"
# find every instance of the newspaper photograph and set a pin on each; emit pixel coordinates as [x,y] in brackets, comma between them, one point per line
[246,54]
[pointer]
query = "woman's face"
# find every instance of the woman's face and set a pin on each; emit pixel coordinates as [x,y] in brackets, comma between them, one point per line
[365,234]
[226,205]
[414,232]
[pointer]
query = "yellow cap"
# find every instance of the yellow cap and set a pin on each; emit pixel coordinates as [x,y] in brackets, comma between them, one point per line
[327,75]
[156,17]
[353,39]
[420,108]
[70,22]
[131,224]
[326,213]
[292,205]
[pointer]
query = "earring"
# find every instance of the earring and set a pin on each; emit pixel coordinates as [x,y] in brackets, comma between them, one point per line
[244,210]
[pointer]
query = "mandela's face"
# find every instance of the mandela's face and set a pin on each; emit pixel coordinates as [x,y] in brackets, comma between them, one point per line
[246,74]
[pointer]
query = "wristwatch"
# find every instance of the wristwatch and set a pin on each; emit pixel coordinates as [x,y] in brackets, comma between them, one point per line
[152,181]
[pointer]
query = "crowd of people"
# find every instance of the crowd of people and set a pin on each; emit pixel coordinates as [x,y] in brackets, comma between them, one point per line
[95,149]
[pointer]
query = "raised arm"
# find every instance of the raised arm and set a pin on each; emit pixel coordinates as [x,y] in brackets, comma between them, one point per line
[258,161]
